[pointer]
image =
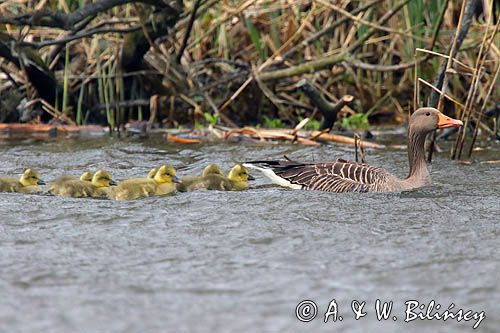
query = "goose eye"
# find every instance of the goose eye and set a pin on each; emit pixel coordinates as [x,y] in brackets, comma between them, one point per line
[427,114]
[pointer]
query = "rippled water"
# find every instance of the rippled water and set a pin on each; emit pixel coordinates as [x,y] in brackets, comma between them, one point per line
[242,261]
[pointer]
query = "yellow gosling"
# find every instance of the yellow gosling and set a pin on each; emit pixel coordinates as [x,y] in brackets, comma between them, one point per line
[98,187]
[152,173]
[28,183]
[86,176]
[166,178]
[212,169]
[162,183]
[236,180]
[58,187]
[192,183]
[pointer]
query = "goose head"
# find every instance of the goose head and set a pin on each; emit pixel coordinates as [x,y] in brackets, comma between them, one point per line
[166,174]
[212,169]
[239,174]
[152,173]
[86,176]
[428,119]
[31,177]
[102,179]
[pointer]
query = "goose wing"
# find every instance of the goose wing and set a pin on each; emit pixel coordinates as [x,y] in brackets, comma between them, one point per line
[338,176]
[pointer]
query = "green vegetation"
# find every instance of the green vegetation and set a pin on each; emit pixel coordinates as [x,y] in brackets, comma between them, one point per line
[211,119]
[242,59]
[272,122]
[358,121]
[312,125]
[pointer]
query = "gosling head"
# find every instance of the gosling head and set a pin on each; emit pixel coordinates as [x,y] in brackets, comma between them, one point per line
[86,176]
[166,174]
[31,177]
[239,174]
[212,169]
[102,179]
[428,119]
[152,173]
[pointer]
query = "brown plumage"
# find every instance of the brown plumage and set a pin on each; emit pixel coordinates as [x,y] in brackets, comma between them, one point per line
[349,176]
[338,176]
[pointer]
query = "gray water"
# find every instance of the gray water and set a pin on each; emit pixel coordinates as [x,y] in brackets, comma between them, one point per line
[242,261]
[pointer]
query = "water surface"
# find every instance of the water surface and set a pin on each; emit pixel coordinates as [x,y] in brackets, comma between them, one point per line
[226,262]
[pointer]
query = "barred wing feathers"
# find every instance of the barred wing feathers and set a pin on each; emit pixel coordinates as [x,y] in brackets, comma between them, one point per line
[338,176]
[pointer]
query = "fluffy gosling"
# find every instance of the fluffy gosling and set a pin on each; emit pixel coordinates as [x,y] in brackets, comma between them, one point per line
[236,180]
[162,183]
[192,183]
[28,183]
[98,187]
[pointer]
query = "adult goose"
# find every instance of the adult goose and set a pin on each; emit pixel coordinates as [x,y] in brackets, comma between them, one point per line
[349,176]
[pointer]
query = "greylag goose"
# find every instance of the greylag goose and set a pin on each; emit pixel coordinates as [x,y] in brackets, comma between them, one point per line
[349,176]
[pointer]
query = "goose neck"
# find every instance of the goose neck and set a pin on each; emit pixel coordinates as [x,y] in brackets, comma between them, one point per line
[416,157]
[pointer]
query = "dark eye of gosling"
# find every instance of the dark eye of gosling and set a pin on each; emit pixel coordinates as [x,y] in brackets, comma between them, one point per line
[427,114]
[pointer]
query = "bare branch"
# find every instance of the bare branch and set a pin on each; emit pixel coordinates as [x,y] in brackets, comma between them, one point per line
[83,34]
[69,21]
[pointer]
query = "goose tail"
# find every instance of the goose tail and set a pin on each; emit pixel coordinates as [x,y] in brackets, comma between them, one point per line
[268,169]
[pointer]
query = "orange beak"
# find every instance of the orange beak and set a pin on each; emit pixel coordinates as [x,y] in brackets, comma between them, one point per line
[445,122]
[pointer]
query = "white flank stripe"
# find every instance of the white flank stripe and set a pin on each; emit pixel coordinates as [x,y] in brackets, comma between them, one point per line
[269,173]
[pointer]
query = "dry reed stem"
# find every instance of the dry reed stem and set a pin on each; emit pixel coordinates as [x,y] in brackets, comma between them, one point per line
[55,113]
[373,52]
[467,112]
[451,56]
[265,64]
[483,108]
[455,60]
[447,96]
[367,23]
[223,19]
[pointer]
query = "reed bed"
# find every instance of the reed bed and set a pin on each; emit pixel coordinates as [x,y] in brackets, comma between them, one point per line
[237,63]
